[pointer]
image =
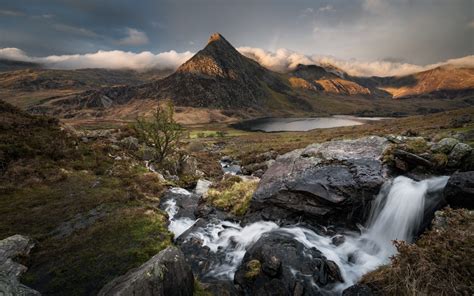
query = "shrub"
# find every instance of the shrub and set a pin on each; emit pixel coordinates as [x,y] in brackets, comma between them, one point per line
[162,133]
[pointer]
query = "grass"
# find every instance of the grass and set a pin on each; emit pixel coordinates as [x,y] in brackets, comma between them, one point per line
[439,263]
[232,195]
[49,177]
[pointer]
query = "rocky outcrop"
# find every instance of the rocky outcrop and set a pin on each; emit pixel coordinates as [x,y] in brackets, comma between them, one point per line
[459,192]
[165,274]
[10,249]
[277,264]
[358,290]
[324,183]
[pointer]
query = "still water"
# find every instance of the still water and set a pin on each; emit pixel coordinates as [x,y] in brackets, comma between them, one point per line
[275,124]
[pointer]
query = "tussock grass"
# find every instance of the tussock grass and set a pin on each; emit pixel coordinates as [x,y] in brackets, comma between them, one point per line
[439,263]
[232,195]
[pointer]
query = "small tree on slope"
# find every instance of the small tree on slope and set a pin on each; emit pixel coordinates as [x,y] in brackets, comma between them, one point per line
[162,132]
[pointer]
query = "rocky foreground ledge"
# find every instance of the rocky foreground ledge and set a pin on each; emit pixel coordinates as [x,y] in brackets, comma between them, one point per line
[11,249]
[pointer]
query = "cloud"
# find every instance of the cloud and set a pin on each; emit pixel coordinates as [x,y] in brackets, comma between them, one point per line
[470,25]
[326,8]
[75,30]
[134,37]
[284,60]
[11,12]
[375,6]
[115,59]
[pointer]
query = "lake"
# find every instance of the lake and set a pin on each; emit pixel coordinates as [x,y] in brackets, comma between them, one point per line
[275,124]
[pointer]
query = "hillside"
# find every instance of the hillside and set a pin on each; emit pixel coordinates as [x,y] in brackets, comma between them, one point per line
[28,86]
[445,82]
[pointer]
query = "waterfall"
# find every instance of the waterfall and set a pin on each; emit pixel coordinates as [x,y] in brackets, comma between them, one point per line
[396,214]
[398,211]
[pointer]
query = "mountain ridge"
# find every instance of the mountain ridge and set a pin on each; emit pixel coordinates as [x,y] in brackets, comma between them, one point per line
[218,77]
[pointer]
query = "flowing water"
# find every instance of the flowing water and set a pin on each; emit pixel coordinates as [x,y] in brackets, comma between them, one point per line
[396,214]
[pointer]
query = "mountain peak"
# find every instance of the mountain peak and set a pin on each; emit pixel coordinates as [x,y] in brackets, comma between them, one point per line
[215,37]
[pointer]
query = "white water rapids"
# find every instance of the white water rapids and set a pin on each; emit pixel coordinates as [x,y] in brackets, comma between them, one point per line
[396,214]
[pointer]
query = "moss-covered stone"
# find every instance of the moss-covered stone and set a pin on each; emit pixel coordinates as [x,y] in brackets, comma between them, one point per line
[253,269]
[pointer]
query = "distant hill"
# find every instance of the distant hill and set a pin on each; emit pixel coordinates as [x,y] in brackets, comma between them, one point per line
[10,65]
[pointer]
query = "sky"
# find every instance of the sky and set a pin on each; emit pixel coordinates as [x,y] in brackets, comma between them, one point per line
[163,33]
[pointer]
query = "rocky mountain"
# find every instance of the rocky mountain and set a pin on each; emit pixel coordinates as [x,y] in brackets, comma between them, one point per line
[445,82]
[318,78]
[223,84]
[219,76]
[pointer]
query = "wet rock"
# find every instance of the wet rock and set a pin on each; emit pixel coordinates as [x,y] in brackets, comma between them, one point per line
[444,145]
[324,183]
[186,202]
[358,290]
[165,274]
[338,240]
[11,248]
[459,192]
[460,151]
[287,267]
[412,158]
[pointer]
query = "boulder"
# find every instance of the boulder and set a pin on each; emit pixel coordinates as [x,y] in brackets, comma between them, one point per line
[202,187]
[459,151]
[327,183]
[444,145]
[459,192]
[130,143]
[11,248]
[277,264]
[165,274]
[185,201]
[188,166]
[358,290]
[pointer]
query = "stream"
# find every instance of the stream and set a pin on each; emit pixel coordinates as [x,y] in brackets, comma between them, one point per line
[396,214]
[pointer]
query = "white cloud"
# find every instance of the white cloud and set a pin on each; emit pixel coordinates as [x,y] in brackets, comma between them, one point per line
[326,8]
[283,60]
[115,59]
[134,37]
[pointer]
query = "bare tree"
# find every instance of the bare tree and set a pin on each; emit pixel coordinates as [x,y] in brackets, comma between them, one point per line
[162,132]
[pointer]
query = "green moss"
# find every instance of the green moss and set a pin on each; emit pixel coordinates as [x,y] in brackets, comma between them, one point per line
[83,263]
[235,198]
[416,146]
[253,269]
[199,289]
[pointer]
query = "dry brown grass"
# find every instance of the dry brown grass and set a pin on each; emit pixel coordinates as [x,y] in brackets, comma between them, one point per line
[440,263]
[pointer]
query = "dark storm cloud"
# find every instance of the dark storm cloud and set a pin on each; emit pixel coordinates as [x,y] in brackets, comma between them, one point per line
[421,31]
